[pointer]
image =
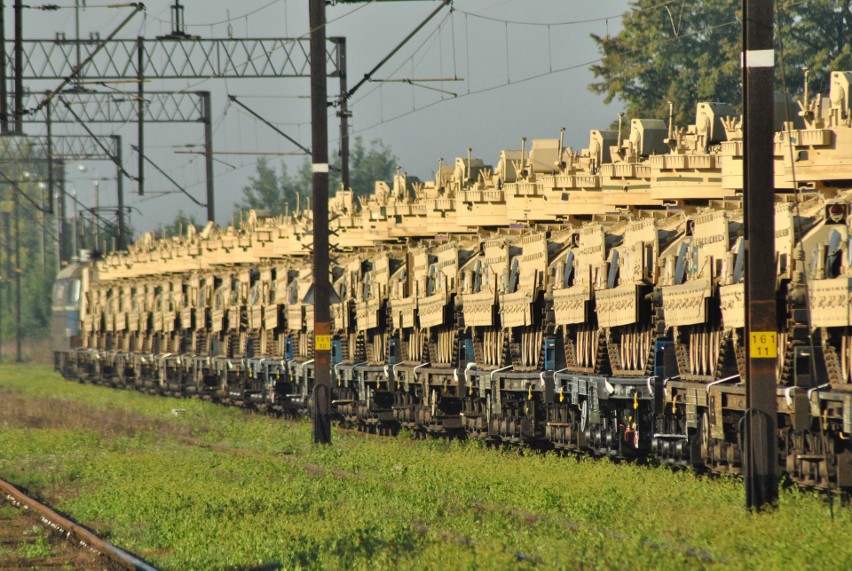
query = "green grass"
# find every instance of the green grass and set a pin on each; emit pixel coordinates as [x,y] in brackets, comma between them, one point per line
[38,548]
[215,488]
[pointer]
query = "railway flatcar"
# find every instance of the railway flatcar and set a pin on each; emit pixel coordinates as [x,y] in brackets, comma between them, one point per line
[588,299]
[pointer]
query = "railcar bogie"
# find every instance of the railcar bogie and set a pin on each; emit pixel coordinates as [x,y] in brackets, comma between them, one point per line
[588,300]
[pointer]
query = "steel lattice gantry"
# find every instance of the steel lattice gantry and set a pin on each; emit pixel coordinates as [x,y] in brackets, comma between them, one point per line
[22,148]
[114,107]
[169,58]
[54,150]
[142,59]
[85,107]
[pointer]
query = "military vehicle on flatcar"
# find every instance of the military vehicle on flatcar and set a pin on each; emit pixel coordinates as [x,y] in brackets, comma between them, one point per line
[587,299]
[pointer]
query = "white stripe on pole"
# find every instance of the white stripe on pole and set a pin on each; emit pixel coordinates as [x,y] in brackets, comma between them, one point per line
[759,58]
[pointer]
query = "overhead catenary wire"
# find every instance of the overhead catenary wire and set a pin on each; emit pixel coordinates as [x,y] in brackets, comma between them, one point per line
[97,219]
[97,139]
[44,227]
[182,166]
[567,22]
[18,189]
[247,153]
[369,74]
[540,75]
[509,79]
[386,117]
[303,148]
[227,20]
[467,52]
[300,37]
[426,45]
[76,71]
[165,174]
[191,86]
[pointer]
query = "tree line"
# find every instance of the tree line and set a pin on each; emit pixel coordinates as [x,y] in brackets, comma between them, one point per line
[277,191]
[27,251]
[689,51]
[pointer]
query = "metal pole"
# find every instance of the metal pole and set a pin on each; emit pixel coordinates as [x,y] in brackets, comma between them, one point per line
[761,456]
[3,278]
[77,36]
[50,184]
[19,67]
[96,227]
[208,153]
[140,111]
[7,230]
[75,231]
[119,181]
[60,234]
[4,92]
[17,203]
[47,113]
[43,239]
[343,113]
[319,170]
[63,211]
[61,222]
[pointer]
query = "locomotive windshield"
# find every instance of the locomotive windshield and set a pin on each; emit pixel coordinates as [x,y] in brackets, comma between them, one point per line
[66,292]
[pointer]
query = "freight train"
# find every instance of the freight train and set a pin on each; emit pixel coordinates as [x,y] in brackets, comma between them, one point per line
[586,299]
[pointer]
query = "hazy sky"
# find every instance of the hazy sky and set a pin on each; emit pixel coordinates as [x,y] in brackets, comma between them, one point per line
[523,69]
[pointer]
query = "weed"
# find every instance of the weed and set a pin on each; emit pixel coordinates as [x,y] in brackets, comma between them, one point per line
[37,548]
[7,510]
[215,488]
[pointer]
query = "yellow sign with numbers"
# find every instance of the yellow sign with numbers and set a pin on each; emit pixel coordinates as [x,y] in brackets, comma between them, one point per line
[322,343]
[763,345]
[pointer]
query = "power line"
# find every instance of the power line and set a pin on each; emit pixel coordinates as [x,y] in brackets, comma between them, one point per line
[428,39]
[568,22]
[221,22]
[540,75]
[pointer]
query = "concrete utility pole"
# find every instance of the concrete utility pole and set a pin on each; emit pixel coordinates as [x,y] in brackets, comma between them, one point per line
[208,153]
[17,207]
[3,277]
[140,113]
[343,113]
[19,67]
[4,93]
[63,246]
[761,454]
[119,181]
[7,232]
[319,169]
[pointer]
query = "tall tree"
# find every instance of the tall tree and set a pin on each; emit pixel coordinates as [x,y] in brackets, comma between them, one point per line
[814,34]
[263,191]
[367,165]
[274,192]
[24,178]
[178,226]
[686,52]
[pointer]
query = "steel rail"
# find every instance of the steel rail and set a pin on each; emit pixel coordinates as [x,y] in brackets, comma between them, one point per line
[64,525]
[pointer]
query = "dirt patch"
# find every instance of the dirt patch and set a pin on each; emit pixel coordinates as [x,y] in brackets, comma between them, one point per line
[26,544]
[19,411]
[315,470]
[33,350]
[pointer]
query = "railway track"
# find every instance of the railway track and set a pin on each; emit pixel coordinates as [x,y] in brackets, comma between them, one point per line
[109,555]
